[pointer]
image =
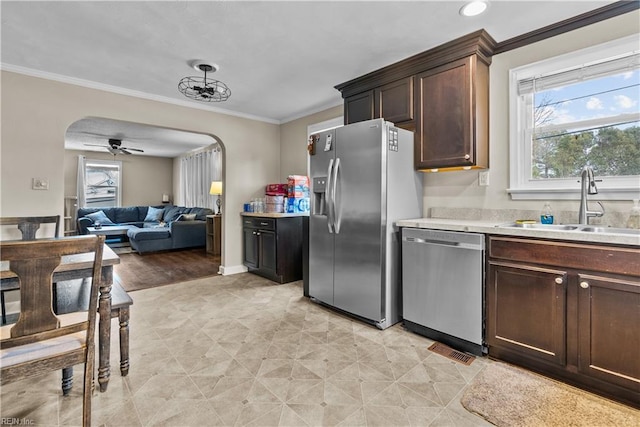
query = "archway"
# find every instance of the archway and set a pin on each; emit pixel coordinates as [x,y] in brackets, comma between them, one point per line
[150,156]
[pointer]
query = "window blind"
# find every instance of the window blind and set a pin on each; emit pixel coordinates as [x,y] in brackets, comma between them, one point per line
[539,83]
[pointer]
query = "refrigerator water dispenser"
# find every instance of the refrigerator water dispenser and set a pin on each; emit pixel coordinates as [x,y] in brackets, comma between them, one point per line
[319,196]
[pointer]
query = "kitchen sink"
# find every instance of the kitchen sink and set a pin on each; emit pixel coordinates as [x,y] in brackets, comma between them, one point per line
[541,226]
[593,229]
[581,228]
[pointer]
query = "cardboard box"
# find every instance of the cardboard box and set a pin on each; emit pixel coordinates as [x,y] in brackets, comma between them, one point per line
[297,192]
[297,205]
[276,190]
[301,180]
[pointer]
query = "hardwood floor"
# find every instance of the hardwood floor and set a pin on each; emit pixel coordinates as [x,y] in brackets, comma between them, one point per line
[137,271]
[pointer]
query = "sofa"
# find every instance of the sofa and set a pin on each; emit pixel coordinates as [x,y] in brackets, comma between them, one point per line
[152,228]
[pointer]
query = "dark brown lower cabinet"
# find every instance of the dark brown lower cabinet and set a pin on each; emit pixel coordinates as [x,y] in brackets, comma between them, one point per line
[272,247]
[528,307]
[567,310]
[608,324]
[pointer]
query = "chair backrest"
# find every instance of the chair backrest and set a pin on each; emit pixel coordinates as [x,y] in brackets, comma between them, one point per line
[29,225]
[34,263]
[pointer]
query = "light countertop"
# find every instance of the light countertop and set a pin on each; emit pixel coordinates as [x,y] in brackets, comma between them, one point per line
[273,214]
[488,227]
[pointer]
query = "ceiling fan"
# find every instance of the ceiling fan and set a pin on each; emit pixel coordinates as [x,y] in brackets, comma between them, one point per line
[115,147]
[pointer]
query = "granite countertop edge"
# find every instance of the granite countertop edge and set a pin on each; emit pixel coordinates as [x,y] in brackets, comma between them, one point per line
[493,227]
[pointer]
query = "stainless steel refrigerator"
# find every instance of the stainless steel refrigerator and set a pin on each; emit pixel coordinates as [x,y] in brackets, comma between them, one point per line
[362,182]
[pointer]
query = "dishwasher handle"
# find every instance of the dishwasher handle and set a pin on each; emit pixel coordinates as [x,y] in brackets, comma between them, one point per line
[459,245]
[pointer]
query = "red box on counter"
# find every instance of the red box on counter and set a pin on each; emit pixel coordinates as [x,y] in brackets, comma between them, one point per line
[298,181]
[276,190]
[298,186]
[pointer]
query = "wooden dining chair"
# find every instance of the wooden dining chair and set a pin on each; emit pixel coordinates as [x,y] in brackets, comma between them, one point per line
[41,341]
[28,226]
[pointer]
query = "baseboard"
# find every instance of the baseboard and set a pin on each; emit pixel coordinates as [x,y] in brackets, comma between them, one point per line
[232,269]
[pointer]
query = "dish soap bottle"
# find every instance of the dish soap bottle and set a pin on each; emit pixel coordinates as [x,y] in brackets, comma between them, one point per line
[546,217]
[634,216]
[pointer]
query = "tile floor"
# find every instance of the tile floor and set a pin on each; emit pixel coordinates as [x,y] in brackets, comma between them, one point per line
[241,350]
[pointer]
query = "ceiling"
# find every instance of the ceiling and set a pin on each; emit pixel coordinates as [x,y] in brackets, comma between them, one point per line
[154,141]
[281,59]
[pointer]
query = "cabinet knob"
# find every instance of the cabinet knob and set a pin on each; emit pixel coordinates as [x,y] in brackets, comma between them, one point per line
[258,233]
[254,233]
[559,280]
[467,157]
[584,285]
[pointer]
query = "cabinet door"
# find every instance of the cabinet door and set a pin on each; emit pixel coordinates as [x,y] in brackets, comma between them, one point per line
[250,247]
[394,101]
[608,333]
[268,251]
[358,108]
[444,127]
[526,310]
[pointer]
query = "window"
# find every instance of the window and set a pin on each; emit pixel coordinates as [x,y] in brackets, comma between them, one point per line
[575,110]
[99,182]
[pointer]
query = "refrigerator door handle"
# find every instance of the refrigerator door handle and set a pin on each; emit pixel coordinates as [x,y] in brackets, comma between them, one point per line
[336,208]
[329,198]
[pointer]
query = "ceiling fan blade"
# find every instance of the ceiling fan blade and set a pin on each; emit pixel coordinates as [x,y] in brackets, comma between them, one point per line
[124,150]
[96,145]
[133,149]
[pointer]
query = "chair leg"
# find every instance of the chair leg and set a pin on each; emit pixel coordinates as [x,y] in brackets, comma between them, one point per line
[67,380]
[87,389]
[123,317]
[4,309]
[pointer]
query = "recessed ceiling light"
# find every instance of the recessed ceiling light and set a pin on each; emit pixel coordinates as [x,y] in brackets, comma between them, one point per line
[474,8]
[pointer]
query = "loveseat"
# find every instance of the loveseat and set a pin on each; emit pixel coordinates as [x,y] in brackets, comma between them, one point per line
[153,228]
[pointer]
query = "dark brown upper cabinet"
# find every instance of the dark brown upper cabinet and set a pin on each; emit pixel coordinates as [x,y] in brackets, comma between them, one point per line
[358,108]
[393,102]
[453,127]
[442,94]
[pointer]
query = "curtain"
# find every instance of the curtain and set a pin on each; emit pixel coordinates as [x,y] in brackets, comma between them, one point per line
[81,191]
[197,171]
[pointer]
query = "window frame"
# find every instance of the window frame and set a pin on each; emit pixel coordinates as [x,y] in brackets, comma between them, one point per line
[106,163]
[521,187]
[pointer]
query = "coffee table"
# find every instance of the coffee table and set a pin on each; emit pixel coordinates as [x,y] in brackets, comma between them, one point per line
[113,230]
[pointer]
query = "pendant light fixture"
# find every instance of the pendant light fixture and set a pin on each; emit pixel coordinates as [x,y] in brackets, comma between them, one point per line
[202,88]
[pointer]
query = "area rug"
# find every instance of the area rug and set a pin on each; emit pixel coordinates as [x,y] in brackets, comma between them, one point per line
[508,396]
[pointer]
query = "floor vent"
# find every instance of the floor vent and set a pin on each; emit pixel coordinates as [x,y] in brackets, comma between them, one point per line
[452,354]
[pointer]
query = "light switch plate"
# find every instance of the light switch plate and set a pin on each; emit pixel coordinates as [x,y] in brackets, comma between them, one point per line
[40,184]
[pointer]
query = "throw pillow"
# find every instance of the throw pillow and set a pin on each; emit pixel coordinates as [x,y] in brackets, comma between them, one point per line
[153,214]
[100,217]
[187,217]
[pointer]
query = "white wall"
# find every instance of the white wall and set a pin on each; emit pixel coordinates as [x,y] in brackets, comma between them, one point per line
[35,116]
[293,142]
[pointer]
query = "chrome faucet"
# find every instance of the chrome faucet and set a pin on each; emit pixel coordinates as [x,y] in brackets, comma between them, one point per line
[588,186]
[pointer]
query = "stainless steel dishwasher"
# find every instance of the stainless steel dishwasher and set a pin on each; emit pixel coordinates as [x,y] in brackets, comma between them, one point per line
[442,286]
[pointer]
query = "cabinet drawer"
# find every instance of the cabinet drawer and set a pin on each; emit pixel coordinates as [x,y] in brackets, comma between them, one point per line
[566,254]
[261,223]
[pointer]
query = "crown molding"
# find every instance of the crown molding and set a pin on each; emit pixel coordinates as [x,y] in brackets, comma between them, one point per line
[609,11]
[305,113]
[128,92]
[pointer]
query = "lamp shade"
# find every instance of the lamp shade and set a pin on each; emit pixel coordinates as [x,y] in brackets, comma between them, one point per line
[216,187]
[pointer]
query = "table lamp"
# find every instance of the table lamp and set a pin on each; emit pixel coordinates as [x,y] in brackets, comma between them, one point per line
[216,190]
